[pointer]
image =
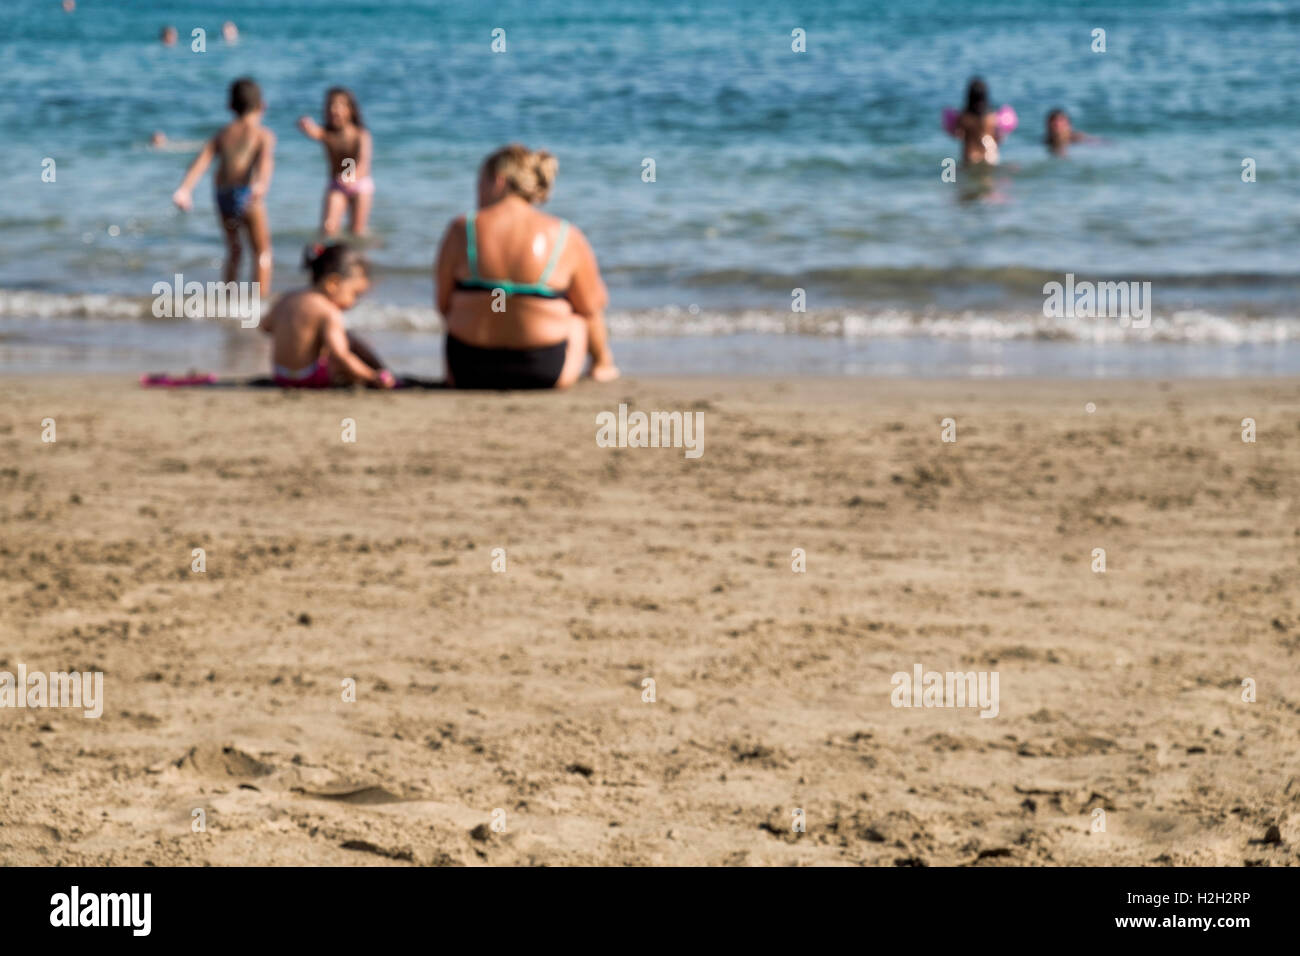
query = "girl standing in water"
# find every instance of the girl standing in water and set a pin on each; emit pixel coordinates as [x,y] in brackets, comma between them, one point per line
[347,148]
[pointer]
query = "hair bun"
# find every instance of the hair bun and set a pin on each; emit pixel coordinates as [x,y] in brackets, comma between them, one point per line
[311,252]
[527,173]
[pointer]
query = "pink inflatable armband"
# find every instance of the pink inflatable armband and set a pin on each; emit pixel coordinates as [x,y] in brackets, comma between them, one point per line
[1006,117]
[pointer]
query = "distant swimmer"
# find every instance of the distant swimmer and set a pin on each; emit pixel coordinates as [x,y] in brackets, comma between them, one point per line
[168,36]
[1060,133]
[980,130]
[160,141]
[230,32]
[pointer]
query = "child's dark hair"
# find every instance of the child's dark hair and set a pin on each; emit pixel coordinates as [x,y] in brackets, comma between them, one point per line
[1049,135]
[977,97]
[346,93]
[245,96]
[338,259]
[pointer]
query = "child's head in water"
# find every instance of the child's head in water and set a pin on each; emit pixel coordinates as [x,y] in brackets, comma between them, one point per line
[1059,129]
[245,96]
[977,96]
[341,108]
[338,272]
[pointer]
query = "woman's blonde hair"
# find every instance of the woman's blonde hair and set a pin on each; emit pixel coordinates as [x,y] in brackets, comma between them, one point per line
[527,173]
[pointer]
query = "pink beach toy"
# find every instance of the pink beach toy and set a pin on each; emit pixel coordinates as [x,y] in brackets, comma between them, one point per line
[1006,119]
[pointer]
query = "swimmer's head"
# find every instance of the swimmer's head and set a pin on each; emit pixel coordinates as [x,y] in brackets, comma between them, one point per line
[341,108]
[158,139]
[1058,127]
[168,36]
[230,32]
[518,170]
[245,96]
[338,272]
[977,96]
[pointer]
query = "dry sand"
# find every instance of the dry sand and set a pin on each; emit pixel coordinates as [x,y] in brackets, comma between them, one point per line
[522,690]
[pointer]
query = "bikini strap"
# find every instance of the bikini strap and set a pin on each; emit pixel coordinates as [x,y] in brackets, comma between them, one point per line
[555,253]
[471,245]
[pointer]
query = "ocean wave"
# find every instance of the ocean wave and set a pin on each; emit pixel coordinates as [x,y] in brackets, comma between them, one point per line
[1191,326]
[1182,326]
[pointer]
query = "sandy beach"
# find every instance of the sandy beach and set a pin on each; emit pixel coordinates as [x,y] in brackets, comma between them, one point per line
[480,690]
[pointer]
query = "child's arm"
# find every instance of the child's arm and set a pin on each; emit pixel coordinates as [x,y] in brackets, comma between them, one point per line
[310,128]
[261,181]
[184,195]
[336,340]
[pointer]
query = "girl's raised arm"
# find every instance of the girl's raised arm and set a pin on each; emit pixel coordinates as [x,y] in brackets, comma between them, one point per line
[310,127]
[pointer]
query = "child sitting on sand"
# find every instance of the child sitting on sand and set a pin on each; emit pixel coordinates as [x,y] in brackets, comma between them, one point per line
[310,346]
[347,148]
[245,151]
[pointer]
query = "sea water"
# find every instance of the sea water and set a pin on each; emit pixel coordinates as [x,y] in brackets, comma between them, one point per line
[775,172]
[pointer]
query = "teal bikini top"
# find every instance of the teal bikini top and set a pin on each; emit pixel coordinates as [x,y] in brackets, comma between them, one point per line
[476,282]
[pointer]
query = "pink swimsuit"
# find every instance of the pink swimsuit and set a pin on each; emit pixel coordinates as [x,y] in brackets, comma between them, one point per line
[364,186]
[313,376]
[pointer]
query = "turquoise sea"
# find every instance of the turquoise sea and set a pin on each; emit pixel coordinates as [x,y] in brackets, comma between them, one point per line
[774,170]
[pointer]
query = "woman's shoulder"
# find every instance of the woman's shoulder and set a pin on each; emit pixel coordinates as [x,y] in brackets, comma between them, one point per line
[553,223]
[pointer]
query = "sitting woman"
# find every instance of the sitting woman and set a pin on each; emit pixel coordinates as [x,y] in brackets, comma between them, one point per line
[519,289]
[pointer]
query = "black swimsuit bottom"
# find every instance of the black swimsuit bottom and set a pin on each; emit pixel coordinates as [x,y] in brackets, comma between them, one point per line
[473,367]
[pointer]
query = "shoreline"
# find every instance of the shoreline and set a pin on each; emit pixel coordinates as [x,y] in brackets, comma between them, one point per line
[76,347]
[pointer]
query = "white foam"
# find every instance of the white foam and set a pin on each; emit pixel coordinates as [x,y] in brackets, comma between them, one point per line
[1191,326]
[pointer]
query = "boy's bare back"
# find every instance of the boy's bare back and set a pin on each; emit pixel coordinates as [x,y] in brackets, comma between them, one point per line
[238,146]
